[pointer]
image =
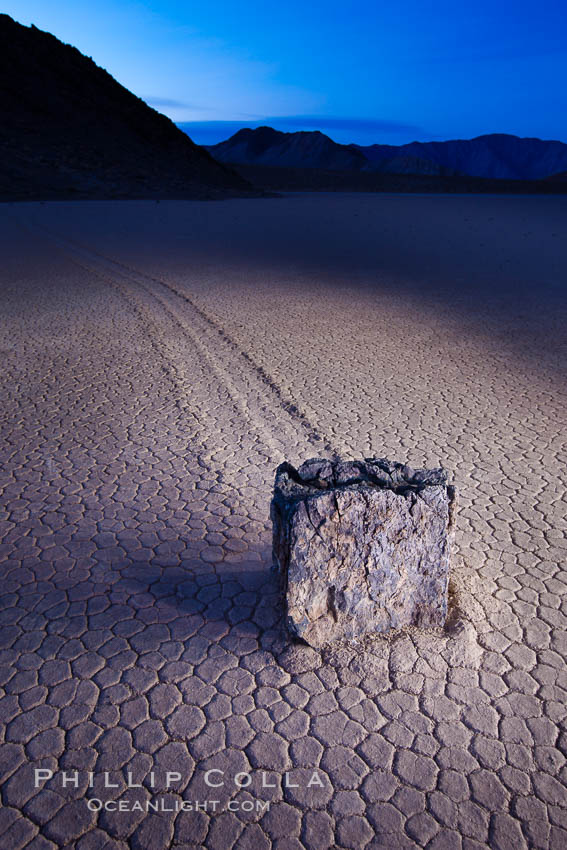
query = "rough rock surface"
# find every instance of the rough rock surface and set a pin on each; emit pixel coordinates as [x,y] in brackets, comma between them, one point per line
[362,546]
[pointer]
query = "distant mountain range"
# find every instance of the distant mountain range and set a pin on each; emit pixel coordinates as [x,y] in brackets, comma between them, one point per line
[496,156]
[69,130]
[266,146]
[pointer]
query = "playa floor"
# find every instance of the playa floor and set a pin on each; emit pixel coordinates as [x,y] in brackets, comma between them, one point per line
[159,360]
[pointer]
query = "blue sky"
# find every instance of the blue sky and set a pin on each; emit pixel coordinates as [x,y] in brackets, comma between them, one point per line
[364,72]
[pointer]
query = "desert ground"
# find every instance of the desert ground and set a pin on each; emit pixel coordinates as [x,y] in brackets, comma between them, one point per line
[159,360]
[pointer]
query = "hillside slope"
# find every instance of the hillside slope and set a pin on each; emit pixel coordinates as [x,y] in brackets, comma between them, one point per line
[68,129]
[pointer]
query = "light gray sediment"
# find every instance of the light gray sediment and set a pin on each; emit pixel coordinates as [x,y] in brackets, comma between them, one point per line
[141,625]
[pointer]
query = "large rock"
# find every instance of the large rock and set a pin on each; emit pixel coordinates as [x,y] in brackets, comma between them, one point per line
[361,546]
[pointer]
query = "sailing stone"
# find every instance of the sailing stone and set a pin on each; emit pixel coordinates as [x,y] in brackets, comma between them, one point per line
[361,546]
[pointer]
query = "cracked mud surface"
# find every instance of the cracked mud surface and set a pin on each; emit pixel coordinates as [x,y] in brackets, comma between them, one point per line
[159,362]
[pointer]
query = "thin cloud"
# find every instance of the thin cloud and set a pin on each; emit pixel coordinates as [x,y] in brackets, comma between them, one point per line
[314,122]
[169,103]
[344,130]
[379,125]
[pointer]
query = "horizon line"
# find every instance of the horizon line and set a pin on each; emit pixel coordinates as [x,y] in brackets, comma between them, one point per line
[260,123]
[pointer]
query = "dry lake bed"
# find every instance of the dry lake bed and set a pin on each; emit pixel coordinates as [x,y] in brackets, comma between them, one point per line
[159,360]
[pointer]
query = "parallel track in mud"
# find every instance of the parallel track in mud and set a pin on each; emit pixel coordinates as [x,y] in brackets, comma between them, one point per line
[141,622]
[252,389]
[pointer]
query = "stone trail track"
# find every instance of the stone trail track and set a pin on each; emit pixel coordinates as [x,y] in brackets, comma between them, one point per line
[154,374]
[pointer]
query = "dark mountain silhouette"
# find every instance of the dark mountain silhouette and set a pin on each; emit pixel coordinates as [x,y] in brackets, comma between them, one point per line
[497,156]
[68,129]
[560,177]
[283,178]
[401,163]
[266,146]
